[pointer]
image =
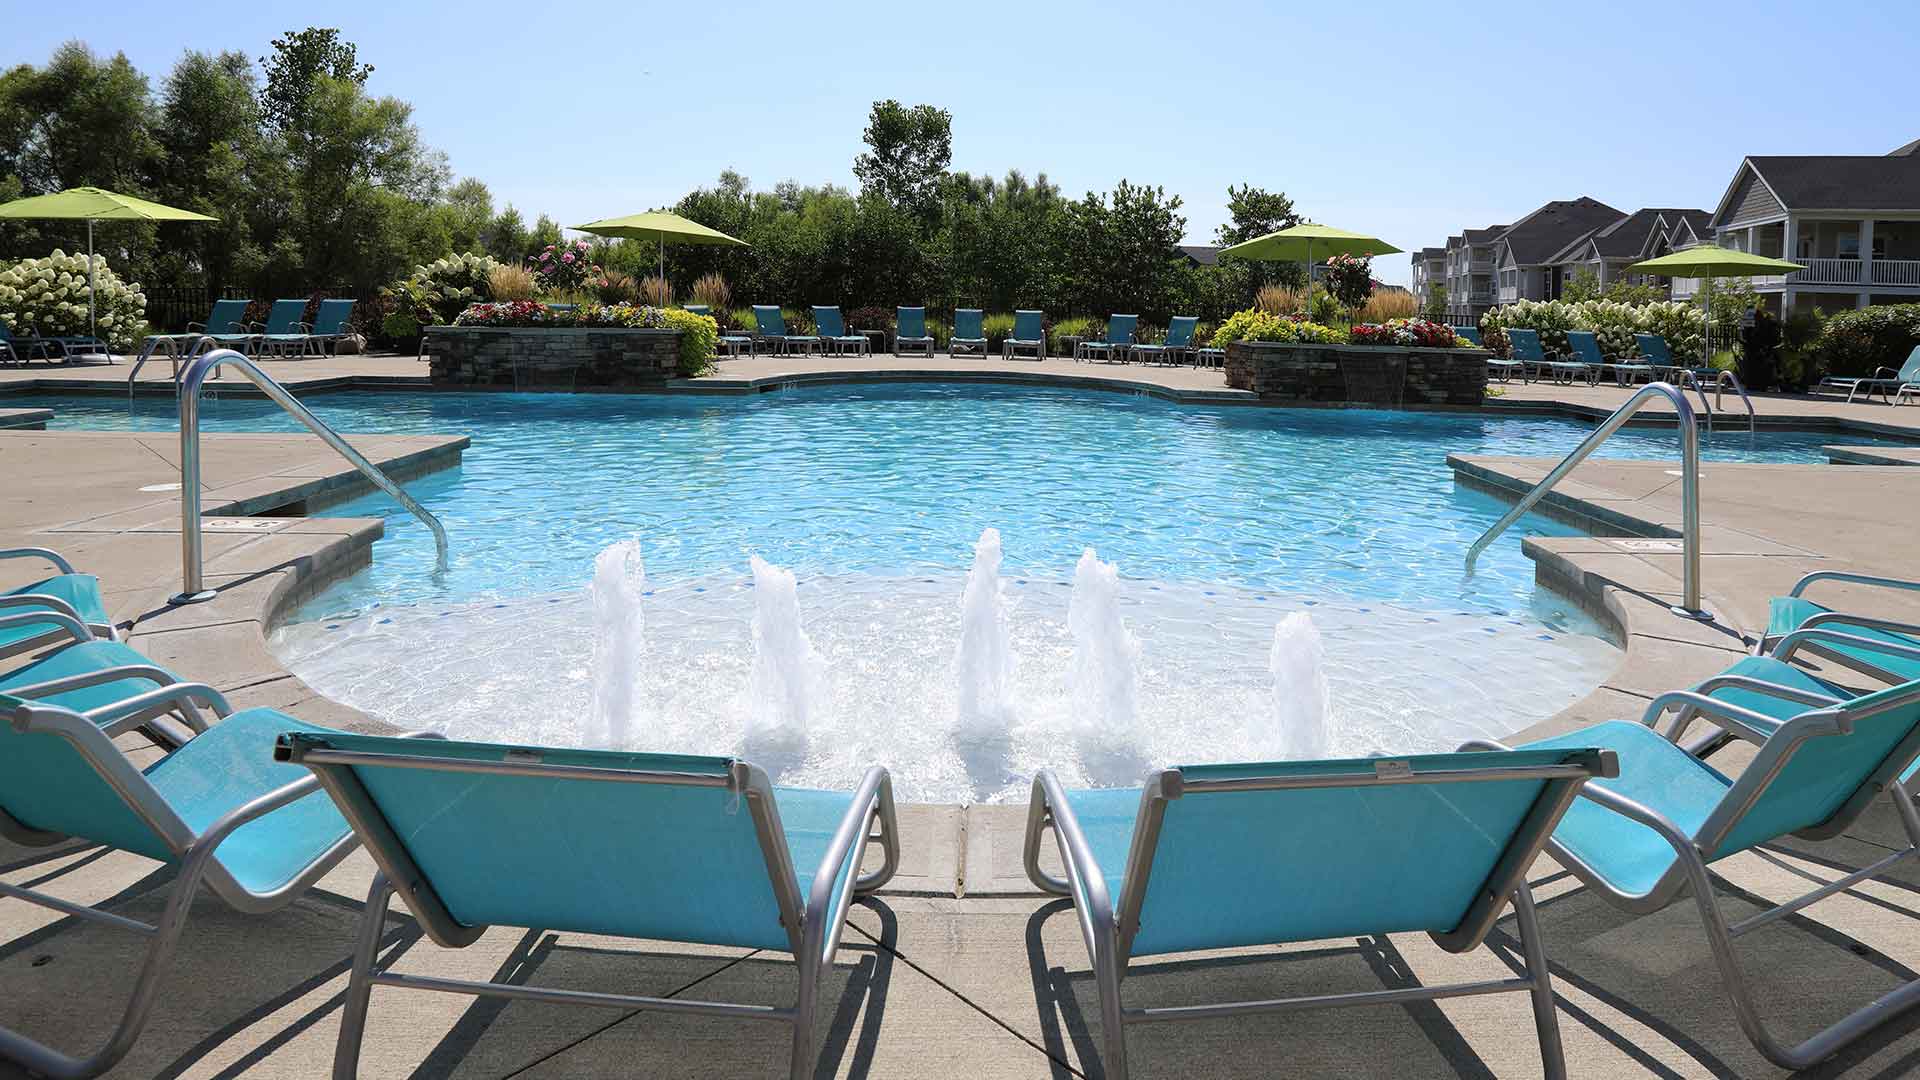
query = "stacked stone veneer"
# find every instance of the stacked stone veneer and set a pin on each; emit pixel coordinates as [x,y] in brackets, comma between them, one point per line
[553,358]
[1375,375]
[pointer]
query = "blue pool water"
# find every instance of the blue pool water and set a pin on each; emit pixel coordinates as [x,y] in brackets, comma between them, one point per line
[1222,521]
[902,479]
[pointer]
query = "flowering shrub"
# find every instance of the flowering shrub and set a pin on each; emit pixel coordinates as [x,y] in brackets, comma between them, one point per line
[699,339]
[49,297]
[435,293]
[1420,332]
[1349,279]
[1254,324]
[1613,324]
[566,266]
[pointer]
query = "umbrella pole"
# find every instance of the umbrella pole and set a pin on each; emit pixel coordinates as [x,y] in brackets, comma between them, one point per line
[1706,319]
[661,240]
[93,329]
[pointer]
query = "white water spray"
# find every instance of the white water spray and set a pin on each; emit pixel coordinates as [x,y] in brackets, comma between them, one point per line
[1298,666]
[1104,654]
[619,639]
[983,661]
[789,677]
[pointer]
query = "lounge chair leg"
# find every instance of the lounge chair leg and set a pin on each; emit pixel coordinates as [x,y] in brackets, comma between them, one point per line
[1113,1032]
[1545,1021]
[353,1015]
[802,1063]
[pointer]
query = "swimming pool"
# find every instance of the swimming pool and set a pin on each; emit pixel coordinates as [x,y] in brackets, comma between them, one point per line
[1220,520]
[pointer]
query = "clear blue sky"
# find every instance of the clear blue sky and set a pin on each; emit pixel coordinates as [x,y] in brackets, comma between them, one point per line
[1406,120]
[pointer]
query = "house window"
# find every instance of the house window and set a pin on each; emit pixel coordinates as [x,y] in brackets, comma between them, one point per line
[1847,245]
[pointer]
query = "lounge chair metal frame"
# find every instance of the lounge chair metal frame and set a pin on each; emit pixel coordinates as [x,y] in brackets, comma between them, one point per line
[1831,628]
[1888,381]
[922,340]
[843,343]
[1690,872]
[1169,350]
[956,343]
[812,942]
[1108,925]
[1107,346]
[57,611]
[781,341]
[91,736]
[1011,346]
[1544,363]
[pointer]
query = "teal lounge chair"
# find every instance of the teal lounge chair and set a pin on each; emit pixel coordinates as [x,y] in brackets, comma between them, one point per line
[1654,351]
[1527,350]
[1236,856]
[1884,649]
[1029,335]
[661,847]
[1586,349]
[1179,342]
[283,331]
[831,329]
[1117,340]
[772,327]
[20,350]
[1642,840]
[910,331]
[35,614]
[1885,379]
[1470,334]
[729,344]
[968,332]
[329,326]
[227,317]
[93,676]
[217,808]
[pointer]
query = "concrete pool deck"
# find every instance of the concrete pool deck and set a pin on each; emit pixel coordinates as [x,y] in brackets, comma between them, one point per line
[960,966]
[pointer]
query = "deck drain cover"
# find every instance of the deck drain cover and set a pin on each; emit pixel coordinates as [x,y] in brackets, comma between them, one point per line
[1651,545]
[240,524]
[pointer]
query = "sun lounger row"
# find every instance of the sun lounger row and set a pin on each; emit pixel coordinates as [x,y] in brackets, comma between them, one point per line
[1028,337]
[257,805]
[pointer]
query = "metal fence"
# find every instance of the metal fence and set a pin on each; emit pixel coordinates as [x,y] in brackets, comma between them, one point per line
[171,308]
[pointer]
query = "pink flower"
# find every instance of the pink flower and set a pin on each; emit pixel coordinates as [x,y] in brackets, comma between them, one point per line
[567,258]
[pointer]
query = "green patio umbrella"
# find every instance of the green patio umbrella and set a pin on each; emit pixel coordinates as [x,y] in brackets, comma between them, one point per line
[91,204]
[1709,262]
[660,227]
[1299,243]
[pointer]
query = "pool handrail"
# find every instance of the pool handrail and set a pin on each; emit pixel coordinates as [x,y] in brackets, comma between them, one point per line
[1689,487]
[192,585]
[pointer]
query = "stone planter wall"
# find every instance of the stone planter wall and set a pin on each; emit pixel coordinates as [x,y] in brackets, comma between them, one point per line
[1381,376]
[553,358]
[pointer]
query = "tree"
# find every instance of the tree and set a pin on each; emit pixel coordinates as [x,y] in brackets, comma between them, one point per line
[1436,302]
[1254,212]
[300,59]
[908,151]
[1584,285]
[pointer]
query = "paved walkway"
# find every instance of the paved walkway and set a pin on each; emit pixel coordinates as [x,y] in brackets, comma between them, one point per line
[961,968]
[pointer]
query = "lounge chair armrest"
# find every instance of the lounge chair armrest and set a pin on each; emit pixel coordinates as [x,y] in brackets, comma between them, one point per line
[94,678]
[58,560]
[1754,727]
[1820,621]
[308,327]
[1886,374]
[1761,686]
[1084,882]
[1815,635]
[1651,818]
[75,627]
[872,799]
[172,693]
[1853,579]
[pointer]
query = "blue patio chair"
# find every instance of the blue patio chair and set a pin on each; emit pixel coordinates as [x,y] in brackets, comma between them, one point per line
[1884,379]
[217,808]
[1179,341]
[1029,335]
[93,676]
[34,614]
[831,329]
[1117,340]
[910,330]
[1643,839]
[968,332]
[1885,649]
[1500,367]
[1654,351]
[1528,350]
[729,344]
[21,350]
[661,847]
[1233,856]
[1471,334]
[329,326]
[771,324]
[1586,349]
[226,317]
[283,331]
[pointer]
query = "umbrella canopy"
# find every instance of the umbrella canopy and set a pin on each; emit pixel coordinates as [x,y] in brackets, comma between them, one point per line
[660,227]
[1708,262]
[91,204]
[1302,243]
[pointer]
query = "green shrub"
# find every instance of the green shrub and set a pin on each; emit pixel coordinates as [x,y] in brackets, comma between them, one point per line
[997,326]
[1254,324]
[437,292]
[1613,324]
[48,296]
[1854,343]
[699,340]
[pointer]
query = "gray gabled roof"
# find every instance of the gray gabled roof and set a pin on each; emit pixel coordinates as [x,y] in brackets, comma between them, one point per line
[1843,182]
[1201,254]
[1534,239]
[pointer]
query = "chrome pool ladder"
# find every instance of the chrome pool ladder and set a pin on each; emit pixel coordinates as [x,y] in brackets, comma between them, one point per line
[1721,380]
[1689,486]
[192,585]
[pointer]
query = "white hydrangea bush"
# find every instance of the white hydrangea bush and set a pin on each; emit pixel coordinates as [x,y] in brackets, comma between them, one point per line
[48,297]
[1613,325]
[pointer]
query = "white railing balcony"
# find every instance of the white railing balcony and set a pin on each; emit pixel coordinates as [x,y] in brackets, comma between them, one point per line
[1685,288]
[1826,272]
[1900,272]
[1509,293]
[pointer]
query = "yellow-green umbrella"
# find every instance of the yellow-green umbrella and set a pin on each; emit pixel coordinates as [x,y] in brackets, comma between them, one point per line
[91,204]
[660,227]
[1298,244]
[1709,262]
